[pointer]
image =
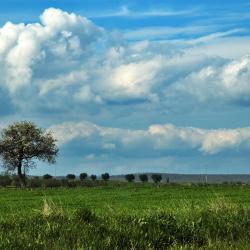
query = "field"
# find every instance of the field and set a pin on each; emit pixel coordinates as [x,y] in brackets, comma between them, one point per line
[126,216]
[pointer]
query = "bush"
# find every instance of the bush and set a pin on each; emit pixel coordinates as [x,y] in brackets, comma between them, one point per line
[5,180]
[34,183]
[105,176]
[143,177]
[129,177]
[71,184]
[50,183]
[47,177]
[156,178]
[70,176]
[83,176]
[93,177]
[16,181]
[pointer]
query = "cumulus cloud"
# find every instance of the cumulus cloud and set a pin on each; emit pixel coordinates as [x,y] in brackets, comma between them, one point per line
[228,82]
[156,140]
[66,60]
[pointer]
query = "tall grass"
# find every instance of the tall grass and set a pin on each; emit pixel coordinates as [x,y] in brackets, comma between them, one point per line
[52,227]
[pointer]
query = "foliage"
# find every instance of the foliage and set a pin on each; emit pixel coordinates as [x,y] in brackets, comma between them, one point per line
[156,178]
[93,177]
[105,176]
[22,143]
[143,177]
[47,177]
[129,177]
[5,180]
[70,176]
[83,176]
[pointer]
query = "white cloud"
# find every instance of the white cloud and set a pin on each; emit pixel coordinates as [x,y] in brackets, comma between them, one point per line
[66,62]
[124,11]
[226,82]
[156,139]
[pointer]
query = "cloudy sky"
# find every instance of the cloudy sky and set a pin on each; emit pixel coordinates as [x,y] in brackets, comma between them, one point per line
[131,86]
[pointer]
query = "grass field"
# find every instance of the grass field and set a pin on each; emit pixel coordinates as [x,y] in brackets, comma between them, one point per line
[126,216]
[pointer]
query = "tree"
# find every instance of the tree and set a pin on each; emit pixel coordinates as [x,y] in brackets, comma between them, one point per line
[105,176]
[129,177]
[83,176]
[93,177]
[22,143]
[143,177]
[156,178]
[70,176]
[47,177]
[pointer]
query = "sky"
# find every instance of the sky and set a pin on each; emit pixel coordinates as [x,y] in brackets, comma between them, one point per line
[130,86]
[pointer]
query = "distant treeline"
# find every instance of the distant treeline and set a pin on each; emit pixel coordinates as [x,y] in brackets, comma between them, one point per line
[70,180]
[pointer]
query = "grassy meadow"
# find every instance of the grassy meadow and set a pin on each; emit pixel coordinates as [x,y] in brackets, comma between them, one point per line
[126,216]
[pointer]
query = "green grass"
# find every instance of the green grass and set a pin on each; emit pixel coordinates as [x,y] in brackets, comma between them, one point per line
[126,216]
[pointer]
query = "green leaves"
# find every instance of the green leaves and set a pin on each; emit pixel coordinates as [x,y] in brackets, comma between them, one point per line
[23,142]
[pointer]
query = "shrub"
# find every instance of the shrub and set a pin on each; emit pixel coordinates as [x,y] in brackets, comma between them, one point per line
[16,181]
[34,183]
[156,178]
[93,177]
[105,176]
[83,176]
[70,176]
[143,177]
[47,177]
[50,183]
[129,177]
[5,180]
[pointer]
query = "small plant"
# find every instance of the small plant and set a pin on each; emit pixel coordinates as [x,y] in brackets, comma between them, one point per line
[105,176]
[83,176]
[51,183]
[47,177]
[93,177]
[129,177]
[5,180]
[156,178]
[34,183]
[51,209]
[143,177]
[84,215]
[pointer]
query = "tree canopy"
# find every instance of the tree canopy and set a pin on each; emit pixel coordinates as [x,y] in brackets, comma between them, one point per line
[22,143]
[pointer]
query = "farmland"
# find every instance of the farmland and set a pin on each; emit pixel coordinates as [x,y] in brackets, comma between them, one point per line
[126,216]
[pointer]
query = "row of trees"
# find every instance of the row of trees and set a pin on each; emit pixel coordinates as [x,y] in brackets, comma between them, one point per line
[82,176]
[144,178]
[129,177]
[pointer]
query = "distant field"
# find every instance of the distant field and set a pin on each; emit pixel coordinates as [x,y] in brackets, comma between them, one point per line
[133,197]
[126,216]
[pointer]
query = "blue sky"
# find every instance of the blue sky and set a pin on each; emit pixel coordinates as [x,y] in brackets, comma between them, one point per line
[131,86]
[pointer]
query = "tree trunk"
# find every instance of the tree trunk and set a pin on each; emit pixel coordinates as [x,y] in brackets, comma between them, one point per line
[20,175]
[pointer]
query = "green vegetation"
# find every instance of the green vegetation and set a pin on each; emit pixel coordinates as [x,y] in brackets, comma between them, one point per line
[22,144]
[116,215]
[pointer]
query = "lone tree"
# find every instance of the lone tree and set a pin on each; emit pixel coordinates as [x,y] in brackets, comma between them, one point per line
[129,177]
[22,143]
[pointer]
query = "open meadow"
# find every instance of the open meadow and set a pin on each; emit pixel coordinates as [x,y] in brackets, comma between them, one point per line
[119,215]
